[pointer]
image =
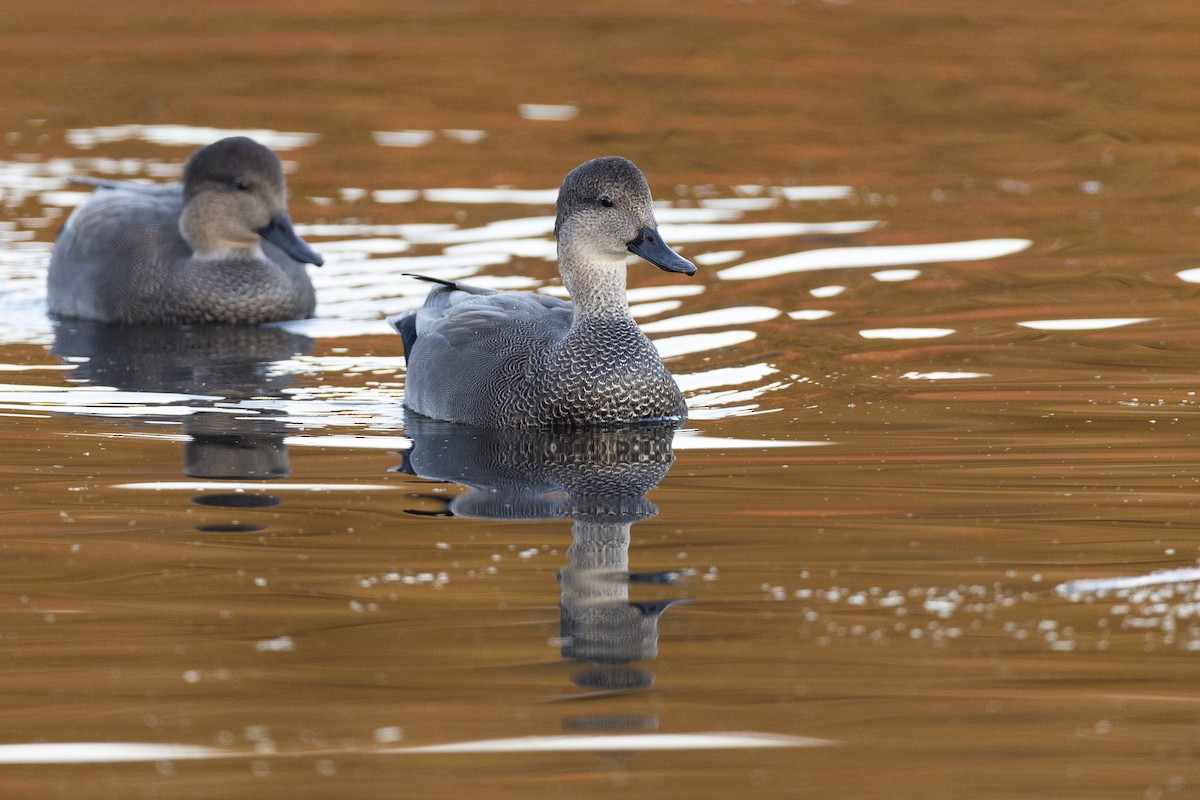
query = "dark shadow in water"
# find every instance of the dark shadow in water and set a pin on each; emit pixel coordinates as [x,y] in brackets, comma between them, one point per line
[596,478]
[233,362]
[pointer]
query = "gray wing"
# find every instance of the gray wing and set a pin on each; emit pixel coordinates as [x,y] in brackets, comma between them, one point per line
[101,261]
[446,294]
[473,350]
[163,190]
[474,320]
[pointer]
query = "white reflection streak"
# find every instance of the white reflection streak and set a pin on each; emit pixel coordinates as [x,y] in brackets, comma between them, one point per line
[103,752]
[619,742]
[35,367]
[522,248]
[645,293]
[687,441]
[741,203]
[521,228]
[1182,575]
[464,135]
[109,411]
[687,215]
[369,246]
[725,376]
[91,395]
[348,365]
[351,442]
[325,328]
[546,112]
[944,376]
[905,333]
[87,138]
[742,315]
[64,198]
[717,257]
[724,399]
[402,138]
[700,342]
[653,309]
[238,486]
[884,256]
[537,197]
[127,752]
[395,195]
[827,291]
[353,229]
[1082,324]
[687,233]
[814,192]
[895,275]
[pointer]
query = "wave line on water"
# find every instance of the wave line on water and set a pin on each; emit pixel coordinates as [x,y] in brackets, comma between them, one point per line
[30,753]
[633,741]
[1082,585]
[1082,324]
[241,486]
[878,256]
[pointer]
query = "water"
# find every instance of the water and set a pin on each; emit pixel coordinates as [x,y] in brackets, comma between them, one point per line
[928,533]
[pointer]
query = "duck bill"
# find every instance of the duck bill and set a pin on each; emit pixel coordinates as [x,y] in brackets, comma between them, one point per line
[650,246]
[280,233]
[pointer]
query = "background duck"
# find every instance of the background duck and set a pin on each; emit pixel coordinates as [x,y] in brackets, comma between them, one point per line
[218,247]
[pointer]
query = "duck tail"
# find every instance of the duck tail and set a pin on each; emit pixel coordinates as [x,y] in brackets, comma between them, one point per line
[430,279]
[406,325]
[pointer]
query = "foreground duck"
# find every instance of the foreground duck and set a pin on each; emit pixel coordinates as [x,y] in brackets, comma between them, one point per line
[218,247]
[517,359]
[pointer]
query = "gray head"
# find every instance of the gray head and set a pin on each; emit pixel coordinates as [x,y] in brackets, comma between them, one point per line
[604,205]
[234,196]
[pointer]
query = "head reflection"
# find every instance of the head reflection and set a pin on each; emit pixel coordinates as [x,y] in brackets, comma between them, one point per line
[229,362]
[598,478]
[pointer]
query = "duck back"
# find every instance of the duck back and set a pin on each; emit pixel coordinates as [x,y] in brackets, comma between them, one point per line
[104,259]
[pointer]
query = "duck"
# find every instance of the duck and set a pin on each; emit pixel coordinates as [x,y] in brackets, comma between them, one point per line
[509,359]
[218,247]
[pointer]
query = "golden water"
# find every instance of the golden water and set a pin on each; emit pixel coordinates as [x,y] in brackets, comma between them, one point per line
[895,590]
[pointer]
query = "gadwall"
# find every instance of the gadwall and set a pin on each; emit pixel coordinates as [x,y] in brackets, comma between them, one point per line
[518,359]
[218,247]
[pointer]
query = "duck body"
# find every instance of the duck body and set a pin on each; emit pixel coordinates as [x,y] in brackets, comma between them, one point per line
[218,247]
[523,360]
[518,359]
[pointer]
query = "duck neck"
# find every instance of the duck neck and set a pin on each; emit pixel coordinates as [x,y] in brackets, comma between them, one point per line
[597,288]
[213,242]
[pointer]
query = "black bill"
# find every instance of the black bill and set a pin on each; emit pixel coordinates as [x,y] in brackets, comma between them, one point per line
[650,246]
[279,232]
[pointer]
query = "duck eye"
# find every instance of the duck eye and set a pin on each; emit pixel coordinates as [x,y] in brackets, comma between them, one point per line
[242,184]
[606,201]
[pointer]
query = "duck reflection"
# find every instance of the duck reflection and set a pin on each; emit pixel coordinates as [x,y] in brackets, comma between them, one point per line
[598,478]
[232,362]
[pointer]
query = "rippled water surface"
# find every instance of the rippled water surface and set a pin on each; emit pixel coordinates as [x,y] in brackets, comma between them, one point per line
[929,532]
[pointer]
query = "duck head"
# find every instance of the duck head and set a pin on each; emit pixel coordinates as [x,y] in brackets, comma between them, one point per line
[605,210]
[234,196]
